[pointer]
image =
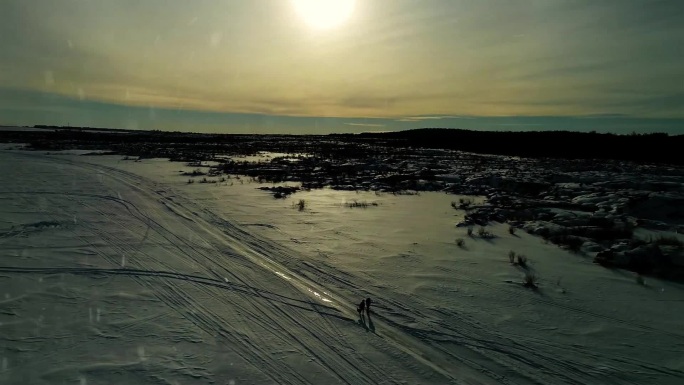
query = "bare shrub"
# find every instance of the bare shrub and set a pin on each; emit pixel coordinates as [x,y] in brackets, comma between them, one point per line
[363,204]
[530,280]
[195,172]
[511,257]
[463,204]
[522,260]
[460,242]
[573,243]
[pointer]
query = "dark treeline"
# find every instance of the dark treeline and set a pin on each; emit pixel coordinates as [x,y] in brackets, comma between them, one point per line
[656,147]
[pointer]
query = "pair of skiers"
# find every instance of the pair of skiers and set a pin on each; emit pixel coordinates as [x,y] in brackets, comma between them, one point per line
[365,304]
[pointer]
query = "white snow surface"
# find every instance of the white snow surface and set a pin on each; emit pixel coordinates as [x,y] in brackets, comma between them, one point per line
[120,272]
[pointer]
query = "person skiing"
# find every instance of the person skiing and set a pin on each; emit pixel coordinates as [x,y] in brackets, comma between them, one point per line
[361,307]
[368,303]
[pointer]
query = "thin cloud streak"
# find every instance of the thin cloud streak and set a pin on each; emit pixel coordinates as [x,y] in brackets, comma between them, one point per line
[365,124]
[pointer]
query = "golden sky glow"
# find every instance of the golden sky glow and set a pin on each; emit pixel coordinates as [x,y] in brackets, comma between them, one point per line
[368,59]
[324,14]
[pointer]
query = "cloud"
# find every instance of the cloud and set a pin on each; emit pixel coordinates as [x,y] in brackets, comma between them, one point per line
[424,118]
[397,60]
[365,124]
[20,107]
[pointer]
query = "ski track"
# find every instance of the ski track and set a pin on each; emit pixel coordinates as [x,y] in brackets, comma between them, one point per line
[216,258]
[322,343]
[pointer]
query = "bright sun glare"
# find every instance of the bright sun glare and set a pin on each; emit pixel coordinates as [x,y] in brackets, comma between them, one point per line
[324,14]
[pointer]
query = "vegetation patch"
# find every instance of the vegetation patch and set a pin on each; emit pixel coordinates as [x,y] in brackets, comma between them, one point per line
[530,280]
[362,204]
[300,205]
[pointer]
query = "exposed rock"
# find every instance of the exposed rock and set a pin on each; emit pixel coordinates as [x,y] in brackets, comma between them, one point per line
[642,259]
[605,258]
[619,247]
[592,247]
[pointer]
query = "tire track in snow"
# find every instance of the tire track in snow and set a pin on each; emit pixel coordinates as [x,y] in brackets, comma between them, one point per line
[206,320]
[339,367]
[222,284]
[310,350]
[174,295]
[294,320]
[259,247]
[315,336]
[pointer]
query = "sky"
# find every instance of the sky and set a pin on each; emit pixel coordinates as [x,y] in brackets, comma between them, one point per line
[241,66]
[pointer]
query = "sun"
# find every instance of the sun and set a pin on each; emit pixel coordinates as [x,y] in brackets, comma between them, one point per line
[324,14]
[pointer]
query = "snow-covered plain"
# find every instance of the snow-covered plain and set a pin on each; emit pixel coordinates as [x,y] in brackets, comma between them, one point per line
[121,272]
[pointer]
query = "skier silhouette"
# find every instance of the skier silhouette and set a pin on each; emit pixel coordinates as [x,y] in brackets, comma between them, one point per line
[368,303]
[362,305]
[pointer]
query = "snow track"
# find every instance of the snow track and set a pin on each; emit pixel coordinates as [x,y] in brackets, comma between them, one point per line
[271,314]
[215,274]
